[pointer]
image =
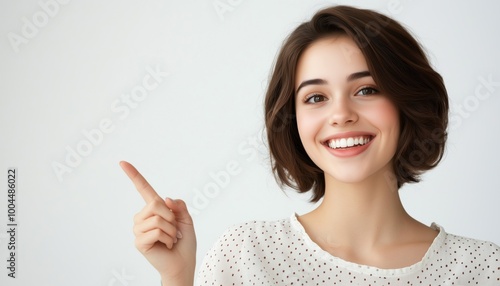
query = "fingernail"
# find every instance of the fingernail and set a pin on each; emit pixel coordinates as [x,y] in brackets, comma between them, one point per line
[179,234]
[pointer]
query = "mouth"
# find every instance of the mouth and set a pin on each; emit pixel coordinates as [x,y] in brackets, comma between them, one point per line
[348,142]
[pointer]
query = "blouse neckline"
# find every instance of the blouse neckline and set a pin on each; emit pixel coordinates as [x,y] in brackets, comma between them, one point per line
[367,269]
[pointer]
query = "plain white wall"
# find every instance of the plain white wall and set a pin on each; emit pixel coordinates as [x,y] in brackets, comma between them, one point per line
[68,68]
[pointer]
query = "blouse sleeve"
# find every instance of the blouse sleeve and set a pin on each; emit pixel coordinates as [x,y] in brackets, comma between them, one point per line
[235,259]
[220,262]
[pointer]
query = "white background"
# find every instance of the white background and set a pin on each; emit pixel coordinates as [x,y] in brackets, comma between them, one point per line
[71,71]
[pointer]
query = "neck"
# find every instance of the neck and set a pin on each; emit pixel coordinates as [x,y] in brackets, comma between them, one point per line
[361,214]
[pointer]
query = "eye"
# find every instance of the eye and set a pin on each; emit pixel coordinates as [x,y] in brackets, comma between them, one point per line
[367,91]
[315,98]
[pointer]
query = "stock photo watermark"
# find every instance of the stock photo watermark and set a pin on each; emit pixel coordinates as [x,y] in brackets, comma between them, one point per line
[12,224]
[120,278]
[248,150]
[121,107]
[222,7]
[483,91]
[31,26]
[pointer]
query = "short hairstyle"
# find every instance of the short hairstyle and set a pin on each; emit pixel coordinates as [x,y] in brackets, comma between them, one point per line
[400,69]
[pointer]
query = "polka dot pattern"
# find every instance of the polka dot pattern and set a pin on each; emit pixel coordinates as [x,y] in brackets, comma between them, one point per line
[281,253]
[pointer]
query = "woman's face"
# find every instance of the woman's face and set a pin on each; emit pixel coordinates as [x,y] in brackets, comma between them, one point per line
[348,128]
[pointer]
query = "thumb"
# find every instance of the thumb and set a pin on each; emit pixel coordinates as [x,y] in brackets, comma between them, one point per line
[180,211]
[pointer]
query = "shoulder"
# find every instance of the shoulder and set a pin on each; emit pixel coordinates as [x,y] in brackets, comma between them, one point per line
[471,247]
[258,229]
[253,234]
[242,249]
[472,259]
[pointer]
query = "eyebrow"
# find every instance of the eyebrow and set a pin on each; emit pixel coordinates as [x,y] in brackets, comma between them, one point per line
[319,81]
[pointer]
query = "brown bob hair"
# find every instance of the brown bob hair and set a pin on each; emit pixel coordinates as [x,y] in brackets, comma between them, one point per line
[401,70]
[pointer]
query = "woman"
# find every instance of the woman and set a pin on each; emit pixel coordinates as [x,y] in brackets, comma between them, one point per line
[351,101]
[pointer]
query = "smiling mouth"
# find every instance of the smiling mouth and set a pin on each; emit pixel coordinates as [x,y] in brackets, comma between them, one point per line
[349,142]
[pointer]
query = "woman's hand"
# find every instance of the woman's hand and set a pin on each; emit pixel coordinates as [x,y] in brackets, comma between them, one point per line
[164,233]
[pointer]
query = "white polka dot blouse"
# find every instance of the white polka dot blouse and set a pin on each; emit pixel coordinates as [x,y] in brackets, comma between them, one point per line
[281,253]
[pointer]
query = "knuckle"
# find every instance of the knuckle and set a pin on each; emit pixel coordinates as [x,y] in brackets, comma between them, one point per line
[137,218]
[157,233]
[141,248]
[157,220]
[138,244]
[170,218]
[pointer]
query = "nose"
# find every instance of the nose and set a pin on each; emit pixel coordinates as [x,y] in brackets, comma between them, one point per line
[342,113]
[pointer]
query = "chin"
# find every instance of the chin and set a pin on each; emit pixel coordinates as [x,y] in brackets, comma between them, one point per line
[347,178]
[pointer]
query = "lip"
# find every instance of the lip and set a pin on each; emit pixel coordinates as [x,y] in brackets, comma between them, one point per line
[352,151]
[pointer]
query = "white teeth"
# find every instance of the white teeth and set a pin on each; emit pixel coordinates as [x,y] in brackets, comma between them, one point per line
[348,142]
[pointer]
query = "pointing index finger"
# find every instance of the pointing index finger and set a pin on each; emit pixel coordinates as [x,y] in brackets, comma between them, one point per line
[147,192]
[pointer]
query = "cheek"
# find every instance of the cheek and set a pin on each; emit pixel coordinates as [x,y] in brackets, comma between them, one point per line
[388,122]
[385,115]
[307,125]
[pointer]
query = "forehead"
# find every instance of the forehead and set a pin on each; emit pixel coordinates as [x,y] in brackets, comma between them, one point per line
[329,58]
